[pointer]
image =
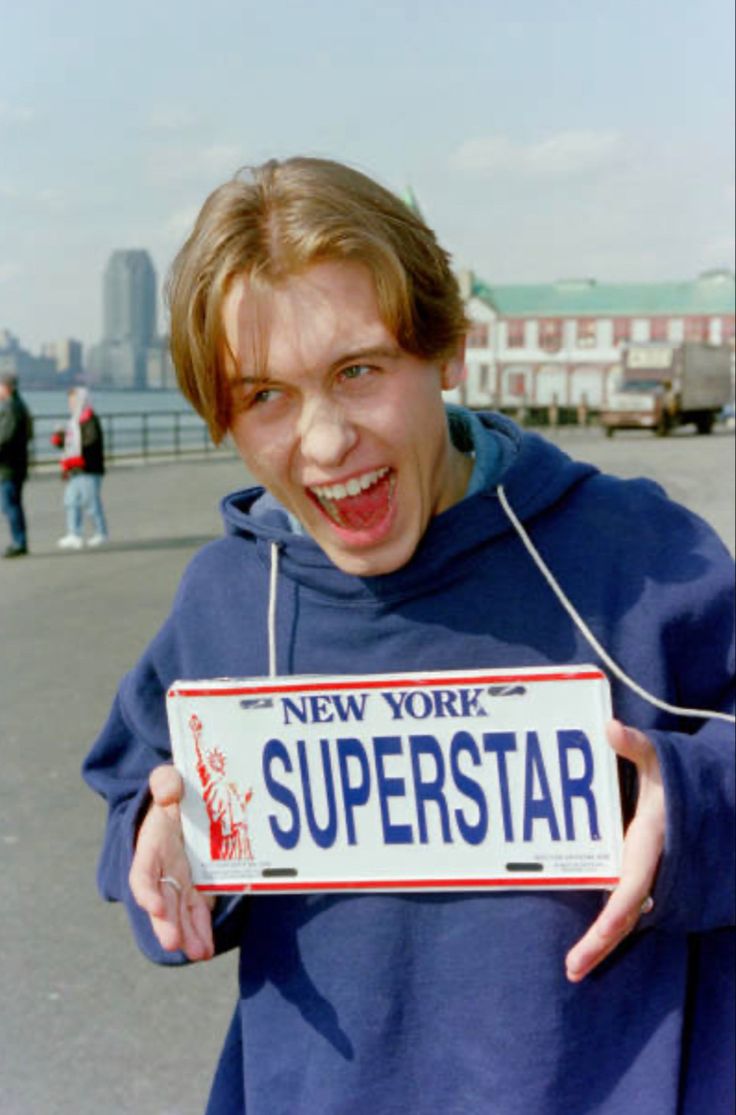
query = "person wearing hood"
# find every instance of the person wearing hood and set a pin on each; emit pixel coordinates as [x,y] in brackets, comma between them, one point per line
[82,469]
[16,434]
[316,321]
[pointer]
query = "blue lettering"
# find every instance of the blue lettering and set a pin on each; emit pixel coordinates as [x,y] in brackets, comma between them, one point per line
[384,746]
[471,834]
[290,707]
[432,789]
[469,703]
[445,702]
[324,837]
[286,838]
[499,744]
[354,793]
[573,739]
[353,708]
[394,702]
[541,808]
[419,704]
[321,707]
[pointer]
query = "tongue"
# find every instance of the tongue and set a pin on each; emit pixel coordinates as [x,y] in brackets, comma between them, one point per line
[365,509]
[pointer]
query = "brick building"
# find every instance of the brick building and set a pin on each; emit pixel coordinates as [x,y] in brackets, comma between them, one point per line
[538,344]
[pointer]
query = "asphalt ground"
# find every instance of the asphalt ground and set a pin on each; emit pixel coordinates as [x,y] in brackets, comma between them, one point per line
[87,1026]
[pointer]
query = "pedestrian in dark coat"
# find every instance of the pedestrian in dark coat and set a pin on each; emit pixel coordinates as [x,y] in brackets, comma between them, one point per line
[16,431]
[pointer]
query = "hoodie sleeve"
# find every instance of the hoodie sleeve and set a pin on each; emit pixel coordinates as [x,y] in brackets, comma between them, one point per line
[695,887]
[135,739]
[694,891]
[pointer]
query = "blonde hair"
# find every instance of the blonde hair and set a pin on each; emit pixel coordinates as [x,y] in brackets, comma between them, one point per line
[276,220]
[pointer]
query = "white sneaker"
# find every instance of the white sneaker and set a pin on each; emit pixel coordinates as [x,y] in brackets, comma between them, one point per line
[70,542]
[97,540]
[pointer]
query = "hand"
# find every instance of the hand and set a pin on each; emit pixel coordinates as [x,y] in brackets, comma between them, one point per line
[641,855]
[180,920]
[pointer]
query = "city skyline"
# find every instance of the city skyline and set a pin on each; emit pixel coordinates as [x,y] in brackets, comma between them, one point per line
[543,141]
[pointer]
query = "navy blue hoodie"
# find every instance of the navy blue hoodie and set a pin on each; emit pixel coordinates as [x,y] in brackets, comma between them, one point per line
[383,1004]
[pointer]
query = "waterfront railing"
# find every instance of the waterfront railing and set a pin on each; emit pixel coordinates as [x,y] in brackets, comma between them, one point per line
[140,434]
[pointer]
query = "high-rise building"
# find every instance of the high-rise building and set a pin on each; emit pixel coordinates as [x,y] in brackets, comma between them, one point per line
[129,321]
[67,356]
[129,298]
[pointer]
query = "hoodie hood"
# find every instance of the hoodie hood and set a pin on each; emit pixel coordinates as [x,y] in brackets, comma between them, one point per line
[535,474]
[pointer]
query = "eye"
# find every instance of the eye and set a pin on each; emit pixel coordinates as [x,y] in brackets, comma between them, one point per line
[264,395]
[248,395]
[356,371]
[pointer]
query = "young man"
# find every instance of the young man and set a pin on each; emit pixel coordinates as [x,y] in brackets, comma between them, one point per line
[16,432]
[316,320]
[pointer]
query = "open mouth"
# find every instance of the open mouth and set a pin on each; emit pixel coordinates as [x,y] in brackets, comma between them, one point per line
[360,503]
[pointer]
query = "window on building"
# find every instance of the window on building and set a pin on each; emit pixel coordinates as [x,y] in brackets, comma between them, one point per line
[550,334]
[621,330]
[515,334]
[658,329]
[516,384]
[696,329]
[478,335]
[586,332]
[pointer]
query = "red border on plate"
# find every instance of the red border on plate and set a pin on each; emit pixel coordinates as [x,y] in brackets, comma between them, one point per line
[372,682]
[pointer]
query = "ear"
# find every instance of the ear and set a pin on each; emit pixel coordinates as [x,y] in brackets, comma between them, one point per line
[453,370]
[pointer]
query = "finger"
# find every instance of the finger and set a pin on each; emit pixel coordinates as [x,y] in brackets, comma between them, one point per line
[145,875]
[641,855]
[196,926]
[168,926]
[159,852]
[633,745]
[166,785]
[614,924]
[623,909]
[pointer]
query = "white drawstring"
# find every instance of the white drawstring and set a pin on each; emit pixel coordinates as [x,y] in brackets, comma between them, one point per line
[272,592]
[588,634]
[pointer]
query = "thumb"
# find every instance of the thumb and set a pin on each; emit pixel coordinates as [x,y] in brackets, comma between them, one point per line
[166,785]
[629,743]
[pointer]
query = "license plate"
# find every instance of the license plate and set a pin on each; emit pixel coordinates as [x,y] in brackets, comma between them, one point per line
[455,780]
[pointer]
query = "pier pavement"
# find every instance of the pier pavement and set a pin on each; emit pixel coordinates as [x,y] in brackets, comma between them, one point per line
[87,1026]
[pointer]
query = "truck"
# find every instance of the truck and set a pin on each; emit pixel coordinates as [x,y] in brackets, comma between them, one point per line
[663,386]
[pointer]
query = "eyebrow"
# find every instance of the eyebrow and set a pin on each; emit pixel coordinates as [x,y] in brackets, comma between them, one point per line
[372,352]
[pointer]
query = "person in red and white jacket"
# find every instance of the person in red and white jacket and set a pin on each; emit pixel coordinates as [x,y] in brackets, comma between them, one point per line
[82,467]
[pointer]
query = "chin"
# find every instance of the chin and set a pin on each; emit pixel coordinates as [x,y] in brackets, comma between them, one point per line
[366,564]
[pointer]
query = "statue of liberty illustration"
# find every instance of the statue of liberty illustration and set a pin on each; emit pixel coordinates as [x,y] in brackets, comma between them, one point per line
[226,804]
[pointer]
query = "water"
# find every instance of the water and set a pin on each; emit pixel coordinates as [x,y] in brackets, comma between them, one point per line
[53,403]
[135,423]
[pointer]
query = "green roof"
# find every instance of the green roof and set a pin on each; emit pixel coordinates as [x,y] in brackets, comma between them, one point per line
[711,293]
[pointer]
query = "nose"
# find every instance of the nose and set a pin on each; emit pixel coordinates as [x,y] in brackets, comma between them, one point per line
[326,433]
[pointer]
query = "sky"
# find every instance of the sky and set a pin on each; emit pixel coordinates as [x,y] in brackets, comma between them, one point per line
[543,139]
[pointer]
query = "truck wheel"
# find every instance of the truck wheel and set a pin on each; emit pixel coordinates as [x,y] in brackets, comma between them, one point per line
[704,424]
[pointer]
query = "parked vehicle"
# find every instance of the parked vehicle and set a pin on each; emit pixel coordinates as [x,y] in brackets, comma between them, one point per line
[663,386]
[727,417]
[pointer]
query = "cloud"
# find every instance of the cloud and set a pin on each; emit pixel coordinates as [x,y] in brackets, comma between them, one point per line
[15,114]
[173,118]
[44,197]
[719,252]
[181,222]
[561,155]
[171,163]
[9,271]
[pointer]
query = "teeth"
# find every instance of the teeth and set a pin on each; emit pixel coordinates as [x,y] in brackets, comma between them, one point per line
[353,487]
